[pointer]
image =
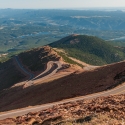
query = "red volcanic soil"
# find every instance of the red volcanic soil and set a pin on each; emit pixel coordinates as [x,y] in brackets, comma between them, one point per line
[10,74]
[105,110]
[76,84]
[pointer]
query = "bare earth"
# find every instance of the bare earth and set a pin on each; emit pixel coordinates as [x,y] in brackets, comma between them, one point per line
[55,85]
[73,85]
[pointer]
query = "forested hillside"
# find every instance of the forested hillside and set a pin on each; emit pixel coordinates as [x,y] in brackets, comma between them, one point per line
[90,49]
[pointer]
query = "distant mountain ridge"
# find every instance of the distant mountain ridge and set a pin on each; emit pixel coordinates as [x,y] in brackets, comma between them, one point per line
[90,49]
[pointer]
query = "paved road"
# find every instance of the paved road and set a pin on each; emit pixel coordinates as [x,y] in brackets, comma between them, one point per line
[48,71]
[118,90]
[31,76]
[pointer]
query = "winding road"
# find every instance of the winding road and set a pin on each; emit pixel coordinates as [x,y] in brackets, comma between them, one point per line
[49,72]
[31,76]
[19,112]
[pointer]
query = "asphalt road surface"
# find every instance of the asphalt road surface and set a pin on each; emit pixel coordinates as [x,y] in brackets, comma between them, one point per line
[48,70]
[19,112]
[31,76]
[48,73]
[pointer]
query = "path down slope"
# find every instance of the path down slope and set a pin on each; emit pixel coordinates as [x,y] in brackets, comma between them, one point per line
[52,68]
[31,76]
[74,85]
[49,71]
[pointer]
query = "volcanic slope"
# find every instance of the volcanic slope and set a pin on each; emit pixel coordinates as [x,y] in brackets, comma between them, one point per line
[73,85]
[90,49]
[34,61]
[9,74]
[37,58]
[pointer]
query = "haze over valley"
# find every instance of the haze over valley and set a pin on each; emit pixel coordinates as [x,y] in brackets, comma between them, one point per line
[24,29]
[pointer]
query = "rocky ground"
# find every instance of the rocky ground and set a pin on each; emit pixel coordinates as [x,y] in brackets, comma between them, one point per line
[103,110]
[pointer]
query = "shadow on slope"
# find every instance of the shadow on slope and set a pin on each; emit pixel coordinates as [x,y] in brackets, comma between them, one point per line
[9,74]
[70,86]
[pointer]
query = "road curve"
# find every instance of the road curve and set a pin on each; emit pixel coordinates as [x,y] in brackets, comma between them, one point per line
[43,76]
[10,114]
[49,66]
[31,76]
[50,74]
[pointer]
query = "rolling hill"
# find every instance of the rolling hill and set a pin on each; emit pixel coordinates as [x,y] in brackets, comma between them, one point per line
[90,49]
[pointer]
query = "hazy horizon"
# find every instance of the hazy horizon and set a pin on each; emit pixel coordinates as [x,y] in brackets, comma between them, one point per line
[54,4]
[72,8]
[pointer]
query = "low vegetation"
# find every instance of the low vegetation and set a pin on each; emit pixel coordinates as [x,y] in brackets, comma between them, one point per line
[67,59]
[90,49]
[3,59]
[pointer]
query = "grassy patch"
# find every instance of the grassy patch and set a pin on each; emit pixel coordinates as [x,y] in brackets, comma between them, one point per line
[68,60]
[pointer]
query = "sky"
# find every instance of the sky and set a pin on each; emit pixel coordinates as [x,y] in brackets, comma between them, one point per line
[49,4]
